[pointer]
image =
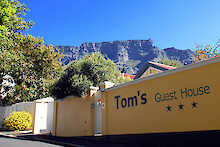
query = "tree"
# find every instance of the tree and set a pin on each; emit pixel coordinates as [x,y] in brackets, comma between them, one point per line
[206,52]
[12,17]
[163,59]
[12,22]
[81,74]
[32,65]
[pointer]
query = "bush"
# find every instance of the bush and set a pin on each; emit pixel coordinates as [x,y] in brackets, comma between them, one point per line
[206,52]
[81,74]
[80,84]
[20,120]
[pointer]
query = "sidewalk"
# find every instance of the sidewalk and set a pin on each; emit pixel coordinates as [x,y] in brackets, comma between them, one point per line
[28,135]
[62,141]
[9,133]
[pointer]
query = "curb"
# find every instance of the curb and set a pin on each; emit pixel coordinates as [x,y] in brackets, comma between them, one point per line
[7,135]
[14,133]
[36,138]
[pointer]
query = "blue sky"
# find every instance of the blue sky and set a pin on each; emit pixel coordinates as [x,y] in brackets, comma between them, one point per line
[179,23]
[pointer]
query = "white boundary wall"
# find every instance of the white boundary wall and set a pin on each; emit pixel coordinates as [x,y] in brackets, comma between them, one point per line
[24,106]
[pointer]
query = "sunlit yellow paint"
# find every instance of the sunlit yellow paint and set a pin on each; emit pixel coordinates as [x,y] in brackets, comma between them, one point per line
[74,117]
[154,116]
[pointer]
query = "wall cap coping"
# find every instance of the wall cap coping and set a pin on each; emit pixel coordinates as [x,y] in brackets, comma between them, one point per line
[43,100]
[93,88]
[106,83]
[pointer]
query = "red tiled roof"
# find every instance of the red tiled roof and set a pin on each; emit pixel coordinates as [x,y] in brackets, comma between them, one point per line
[162,65]
[128,76]
[213,57]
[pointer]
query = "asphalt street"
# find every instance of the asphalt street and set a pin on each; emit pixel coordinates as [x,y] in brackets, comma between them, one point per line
[14,142]
[51,141]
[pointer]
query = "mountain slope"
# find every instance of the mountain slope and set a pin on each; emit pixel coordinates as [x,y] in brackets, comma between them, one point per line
[129,55]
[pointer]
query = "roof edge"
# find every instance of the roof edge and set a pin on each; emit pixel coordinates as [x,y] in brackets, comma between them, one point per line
[167,72]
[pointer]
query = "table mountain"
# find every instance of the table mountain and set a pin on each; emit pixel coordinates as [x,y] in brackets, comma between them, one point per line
[129,55]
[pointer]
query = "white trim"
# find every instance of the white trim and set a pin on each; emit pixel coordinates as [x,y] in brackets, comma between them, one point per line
[167,72]
[93,88]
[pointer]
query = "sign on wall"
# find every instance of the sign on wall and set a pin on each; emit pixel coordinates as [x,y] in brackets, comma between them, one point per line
[142,98]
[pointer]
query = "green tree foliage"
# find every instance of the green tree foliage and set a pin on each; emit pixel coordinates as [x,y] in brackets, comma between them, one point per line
[81,74]
[206,52]
[163,59]
[12,17]
[32,64]
[12,22]
[33,67]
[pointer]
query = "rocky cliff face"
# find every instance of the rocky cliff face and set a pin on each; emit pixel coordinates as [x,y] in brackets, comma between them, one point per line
[129,55]
[185,56]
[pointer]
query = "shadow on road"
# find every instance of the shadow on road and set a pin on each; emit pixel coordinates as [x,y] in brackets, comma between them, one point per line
[207,138]
[67,141]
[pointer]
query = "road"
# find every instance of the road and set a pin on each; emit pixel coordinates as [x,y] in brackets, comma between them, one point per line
[14,142]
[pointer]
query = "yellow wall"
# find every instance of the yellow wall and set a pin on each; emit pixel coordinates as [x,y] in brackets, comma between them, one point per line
[153,116]
[74,117]
[151,71]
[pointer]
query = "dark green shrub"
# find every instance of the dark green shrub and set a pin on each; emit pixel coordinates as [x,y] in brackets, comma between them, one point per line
[81,74]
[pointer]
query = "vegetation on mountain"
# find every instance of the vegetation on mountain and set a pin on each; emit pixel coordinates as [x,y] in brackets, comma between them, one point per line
[163,59]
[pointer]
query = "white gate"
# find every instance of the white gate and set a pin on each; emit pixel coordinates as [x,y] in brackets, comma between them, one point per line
[43,117]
